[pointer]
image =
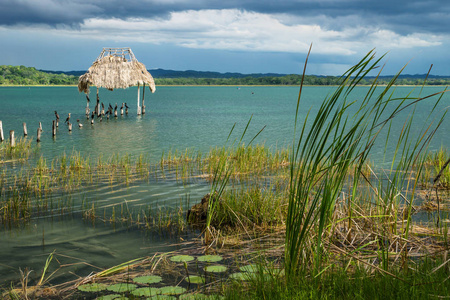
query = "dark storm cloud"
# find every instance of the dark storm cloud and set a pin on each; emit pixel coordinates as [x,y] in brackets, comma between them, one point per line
[400,16]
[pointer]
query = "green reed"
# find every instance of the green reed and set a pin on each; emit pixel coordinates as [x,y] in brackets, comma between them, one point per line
[335,145]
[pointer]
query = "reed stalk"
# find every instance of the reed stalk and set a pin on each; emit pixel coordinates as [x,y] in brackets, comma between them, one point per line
[336,143]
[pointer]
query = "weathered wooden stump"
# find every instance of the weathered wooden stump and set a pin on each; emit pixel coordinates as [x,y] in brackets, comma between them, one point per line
[198,213]
[25,133]
[12,140]
[2,137]
[54,125]
[38,138]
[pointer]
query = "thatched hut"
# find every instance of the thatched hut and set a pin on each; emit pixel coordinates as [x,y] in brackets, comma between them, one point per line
[117,68]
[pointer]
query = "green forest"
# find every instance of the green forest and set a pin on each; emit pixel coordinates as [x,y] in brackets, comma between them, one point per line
[21,75]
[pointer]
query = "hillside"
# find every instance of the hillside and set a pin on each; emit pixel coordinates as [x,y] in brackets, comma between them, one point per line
[21,75]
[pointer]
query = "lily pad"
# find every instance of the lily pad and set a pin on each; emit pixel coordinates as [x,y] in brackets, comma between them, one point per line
[249,268]
[195,279]
[172,290]
[200,297]
[121,287]
[182,258]
[240,276]
[163,297]
[112,297]
[92,287]
[216,269]
[148,279]
[146,291]
[210,258]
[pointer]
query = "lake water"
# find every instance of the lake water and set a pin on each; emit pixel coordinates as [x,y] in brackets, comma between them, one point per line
[177,118]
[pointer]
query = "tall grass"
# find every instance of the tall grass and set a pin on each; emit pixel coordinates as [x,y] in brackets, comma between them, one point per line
[336,145]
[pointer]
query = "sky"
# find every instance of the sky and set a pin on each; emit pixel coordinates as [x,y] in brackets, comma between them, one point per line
[246,36]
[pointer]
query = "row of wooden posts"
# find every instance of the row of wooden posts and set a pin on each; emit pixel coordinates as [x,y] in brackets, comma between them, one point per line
[25,133]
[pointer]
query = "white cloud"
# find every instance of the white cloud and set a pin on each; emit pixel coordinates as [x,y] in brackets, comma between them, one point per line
[232,29]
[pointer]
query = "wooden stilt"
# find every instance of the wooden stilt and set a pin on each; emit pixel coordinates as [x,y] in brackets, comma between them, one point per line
[143,96]
[138,106]
[40,126]
[54,125]
[38,138]
[2,137]
[25,133]
[12,141]
[70,126]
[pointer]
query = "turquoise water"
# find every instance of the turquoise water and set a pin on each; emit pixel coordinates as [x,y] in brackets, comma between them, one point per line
[197,118]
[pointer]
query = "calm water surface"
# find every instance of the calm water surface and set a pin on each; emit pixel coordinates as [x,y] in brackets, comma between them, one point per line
[196,118]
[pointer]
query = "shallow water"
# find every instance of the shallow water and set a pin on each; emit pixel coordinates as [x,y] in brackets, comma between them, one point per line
[177,118]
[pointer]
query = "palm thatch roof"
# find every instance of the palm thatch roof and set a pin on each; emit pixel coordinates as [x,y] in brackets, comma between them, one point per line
[116,68]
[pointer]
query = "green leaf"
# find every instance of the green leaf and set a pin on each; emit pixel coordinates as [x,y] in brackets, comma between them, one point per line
[249,268]
[182,258]
[148,279]
[92,287]
[172,290]
[210,258]
[121,287]
[216,269]
[195,279]
[147,292]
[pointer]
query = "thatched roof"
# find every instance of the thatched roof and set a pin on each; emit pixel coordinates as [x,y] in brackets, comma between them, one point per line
[116,68]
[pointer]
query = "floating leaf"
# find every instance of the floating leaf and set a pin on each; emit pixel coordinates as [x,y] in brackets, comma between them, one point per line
[182,258]
[147,291]
[92,287]
[112,297]
[148,279]
[249,268]
[200,297]
[121,287]
[216,269]
[240,276]
[162,297]
[210,258]
[172,290]
[195,279]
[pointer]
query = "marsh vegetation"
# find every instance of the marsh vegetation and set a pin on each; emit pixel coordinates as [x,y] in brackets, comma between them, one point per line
[318,220]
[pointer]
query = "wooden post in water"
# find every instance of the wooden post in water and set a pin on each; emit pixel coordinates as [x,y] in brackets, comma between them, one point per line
[54,125]
[40,126]
[70,126]
[11,139]
[39,131]
[143,96]
[2,137]
[25,133]
[138,106]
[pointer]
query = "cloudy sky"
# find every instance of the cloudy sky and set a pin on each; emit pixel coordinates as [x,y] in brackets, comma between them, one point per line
[247,36]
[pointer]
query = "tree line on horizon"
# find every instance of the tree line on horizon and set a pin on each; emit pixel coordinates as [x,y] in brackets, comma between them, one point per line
[21,75]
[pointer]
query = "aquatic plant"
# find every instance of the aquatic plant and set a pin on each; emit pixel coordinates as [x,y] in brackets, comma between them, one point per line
[335,144]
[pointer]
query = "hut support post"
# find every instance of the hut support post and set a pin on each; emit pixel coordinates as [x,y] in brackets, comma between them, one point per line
[25,132]
[138,96]
[2,137]
[143,96]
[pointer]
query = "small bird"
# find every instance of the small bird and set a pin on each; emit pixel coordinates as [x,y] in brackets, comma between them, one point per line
[126,106]
[57,116]
[67,120]
[79,124]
